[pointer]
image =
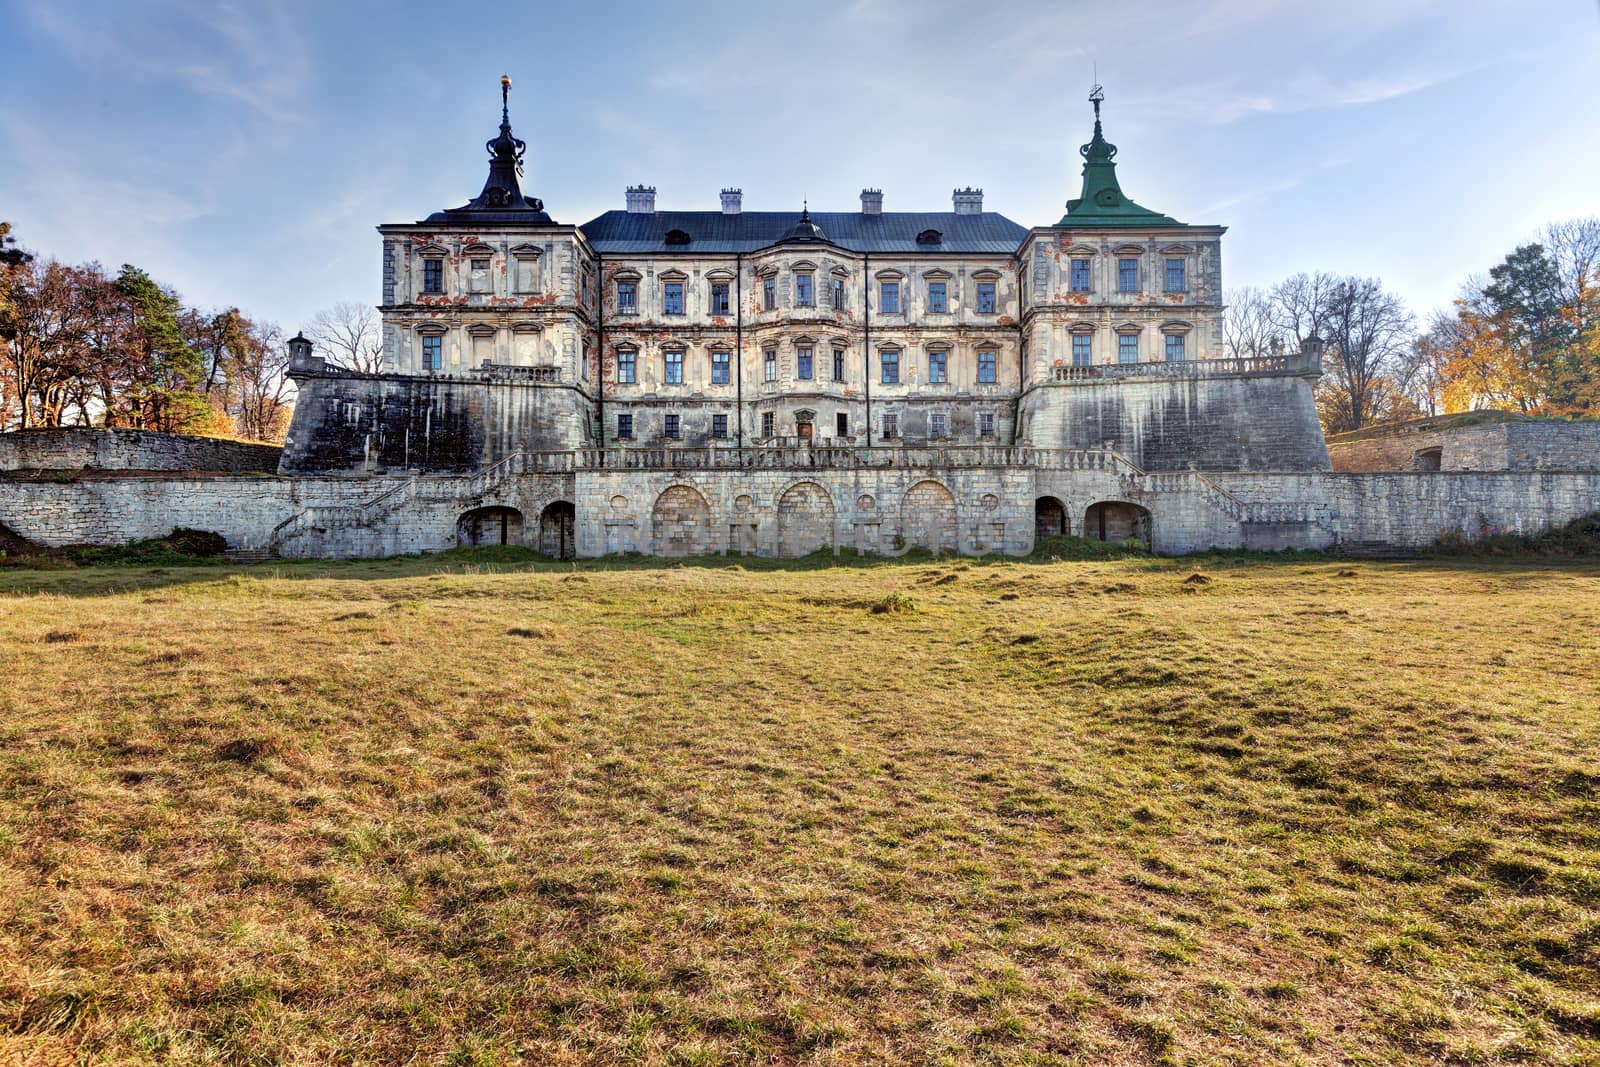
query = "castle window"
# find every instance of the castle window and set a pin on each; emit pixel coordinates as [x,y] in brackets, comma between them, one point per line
[627,360]
[672,298]
[769,293]
[674,426]
[768,424]
[674,366]
[838,294]
[804,296]
[938,366]
[939,425]
[432,352]
[889,298]
[1127,275]
[769,364]
[889,364]
[478,279]
[627,298]
[719,368]
[986,298]
[841,424]
[1080,276]
[525,263]
[985,424]
[1127,348]
[583,363]
[891,426]
[838,364]
[624,427]
[433,275]
[986,366]
[719,298]
[938,303]
[719,426]
[1175,346]
[1176,282]
[1082,350]
[803,362]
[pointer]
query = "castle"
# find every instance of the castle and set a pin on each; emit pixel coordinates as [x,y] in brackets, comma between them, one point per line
[692,382]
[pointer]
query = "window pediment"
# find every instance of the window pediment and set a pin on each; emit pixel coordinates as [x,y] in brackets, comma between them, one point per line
[1128,327]
[938,346]
[1082,250]
[628,275]
[526,327]
[719,276]
[673,276]
[986,275]
[840,272]
[432,329]
[889,274]
[1176,326]
[937,274]
[888,346]
[1129,250]
[986,345]
[805,339]
[766,270]
[802,266]
[1177,250]
[430,249]
[482,330]
[839,342]
[526,251]
[478,249]
[1082,327]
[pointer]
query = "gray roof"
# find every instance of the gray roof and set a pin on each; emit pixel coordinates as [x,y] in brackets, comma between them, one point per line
[892,231]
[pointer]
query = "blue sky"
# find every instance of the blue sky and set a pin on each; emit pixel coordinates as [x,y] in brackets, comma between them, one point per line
[244,152]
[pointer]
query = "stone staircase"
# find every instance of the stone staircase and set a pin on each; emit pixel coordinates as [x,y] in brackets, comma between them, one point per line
[250,555]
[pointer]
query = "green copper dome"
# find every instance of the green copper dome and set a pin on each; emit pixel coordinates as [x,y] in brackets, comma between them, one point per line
[1102,202]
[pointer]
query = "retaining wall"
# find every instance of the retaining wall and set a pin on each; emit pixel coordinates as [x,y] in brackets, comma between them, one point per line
[79,448]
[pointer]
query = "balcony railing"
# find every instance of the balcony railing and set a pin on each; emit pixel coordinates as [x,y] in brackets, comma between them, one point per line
[1298,363]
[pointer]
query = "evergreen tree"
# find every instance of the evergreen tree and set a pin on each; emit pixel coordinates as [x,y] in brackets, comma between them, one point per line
[168,388]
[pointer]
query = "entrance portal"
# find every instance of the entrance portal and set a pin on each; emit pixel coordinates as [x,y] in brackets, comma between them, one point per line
[1049,518]
[489,526]
[1117,520]
[556,530]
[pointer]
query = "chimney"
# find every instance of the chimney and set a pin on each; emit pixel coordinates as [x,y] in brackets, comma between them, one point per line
[732,201]
[968,201]
[872,201]
[641,200]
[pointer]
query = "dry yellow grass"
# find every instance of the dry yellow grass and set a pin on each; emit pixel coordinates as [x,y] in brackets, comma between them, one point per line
[425,812]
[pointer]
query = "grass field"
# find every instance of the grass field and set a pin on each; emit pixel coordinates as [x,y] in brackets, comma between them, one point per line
[472,811]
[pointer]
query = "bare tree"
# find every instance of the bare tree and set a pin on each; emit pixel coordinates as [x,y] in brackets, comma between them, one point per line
[1248,329]
[260,395]
[351,335]
[1366,332]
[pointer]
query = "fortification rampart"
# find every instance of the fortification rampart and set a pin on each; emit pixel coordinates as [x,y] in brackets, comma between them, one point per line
[81,448]
[1523,445]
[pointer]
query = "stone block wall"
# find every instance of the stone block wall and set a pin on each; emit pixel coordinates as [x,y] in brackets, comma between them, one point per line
[1532,445]
[80,448]
[1266,422]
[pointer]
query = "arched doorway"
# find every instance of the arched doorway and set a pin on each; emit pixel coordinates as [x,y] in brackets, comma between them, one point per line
[928,518]
[680,523]
[489,526]
[1049,518]
[1117,520]
[556,524]
[805,520]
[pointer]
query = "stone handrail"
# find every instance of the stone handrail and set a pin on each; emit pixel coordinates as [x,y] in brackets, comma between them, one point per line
[1298,363]
[758,457]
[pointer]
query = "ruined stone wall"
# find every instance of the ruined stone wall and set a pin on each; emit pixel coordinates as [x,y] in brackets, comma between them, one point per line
[1218,424]
[352,423]
[77,448]
[1535,445]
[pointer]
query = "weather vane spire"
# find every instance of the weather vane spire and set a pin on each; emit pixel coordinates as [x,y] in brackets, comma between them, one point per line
[1096,94]
[505,98]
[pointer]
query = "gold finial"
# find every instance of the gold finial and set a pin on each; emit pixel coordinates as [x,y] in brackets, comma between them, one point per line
[505,81]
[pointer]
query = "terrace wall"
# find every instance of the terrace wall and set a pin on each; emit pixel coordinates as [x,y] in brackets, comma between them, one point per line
[80,448]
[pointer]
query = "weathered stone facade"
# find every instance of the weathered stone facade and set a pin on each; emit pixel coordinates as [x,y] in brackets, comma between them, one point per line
[1511,444]
[684,383]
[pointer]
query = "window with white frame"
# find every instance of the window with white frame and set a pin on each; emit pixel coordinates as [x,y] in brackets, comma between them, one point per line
[1127,348]
[674,366]
[988,370]
[938,425]
[803,362]
[720,361]
[769,293]
[938,365]
[1177,281]
[719,298]
[938,299]
[627,364]
[432,351]
[986,298]
[672,298]
[889,365]
[1127,275]
[1080,276]
[985,424]
[1176,348]
[769,424]
[769,364]
[804,295]
[1082,349]
[838,294]
[889,297]
[627,298]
